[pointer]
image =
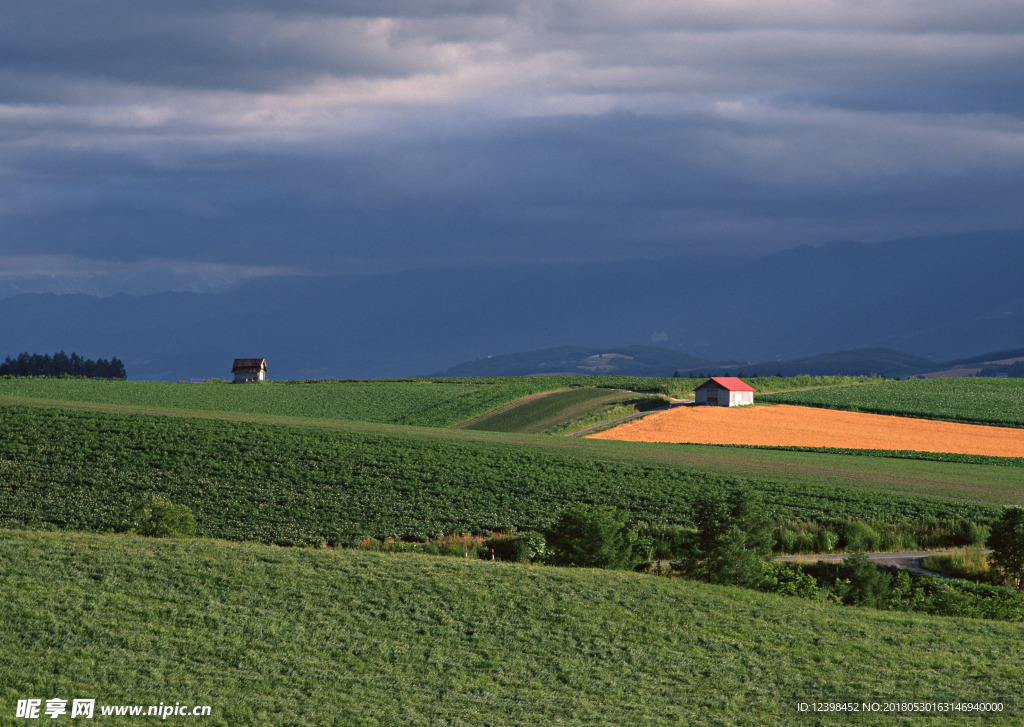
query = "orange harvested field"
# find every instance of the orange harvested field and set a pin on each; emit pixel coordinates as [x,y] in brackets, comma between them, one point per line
[798,426]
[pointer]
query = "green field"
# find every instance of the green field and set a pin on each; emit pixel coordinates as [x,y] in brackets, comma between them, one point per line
[998,402]
[417,402]
[80,469]
[270,635]
[563,410]
[273,636]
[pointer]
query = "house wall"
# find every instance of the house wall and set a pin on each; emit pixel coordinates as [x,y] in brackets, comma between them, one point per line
[724,397]
[701,396]
[711,396]
[740,398]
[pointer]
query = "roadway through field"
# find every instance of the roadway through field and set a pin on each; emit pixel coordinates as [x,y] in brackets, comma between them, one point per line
[904,561]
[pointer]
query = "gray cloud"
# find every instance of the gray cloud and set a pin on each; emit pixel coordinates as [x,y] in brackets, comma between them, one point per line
[363,135]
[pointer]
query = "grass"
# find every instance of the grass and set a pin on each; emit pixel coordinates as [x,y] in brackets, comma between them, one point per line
[972,564]
[414,402]
[998,402]
[276,636]
[77,469]
[419,403]
[559,410]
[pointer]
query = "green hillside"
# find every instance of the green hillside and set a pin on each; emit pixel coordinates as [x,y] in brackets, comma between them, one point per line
[560,409]
[79,469]
[438,402]
[273,636]
[419,403]
[998,402]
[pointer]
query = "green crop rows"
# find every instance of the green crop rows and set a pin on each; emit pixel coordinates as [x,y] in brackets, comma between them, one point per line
[418,402]
[82,470]
[998,402]
[539,415]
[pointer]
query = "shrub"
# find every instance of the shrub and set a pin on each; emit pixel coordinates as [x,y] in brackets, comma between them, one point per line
[528,547]
[826,541]
[790,579]
[156,516]
[785,540]
[669,542]
[858,535]
[595,537]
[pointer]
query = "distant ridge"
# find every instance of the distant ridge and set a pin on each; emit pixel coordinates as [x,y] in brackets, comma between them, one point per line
[622,361]
[854,362]
[943,298]
[660,362]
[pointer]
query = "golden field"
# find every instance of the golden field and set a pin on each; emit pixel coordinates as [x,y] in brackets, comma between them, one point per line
[797,426]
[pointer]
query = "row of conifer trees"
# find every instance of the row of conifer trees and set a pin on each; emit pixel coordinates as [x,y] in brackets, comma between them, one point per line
[60,364]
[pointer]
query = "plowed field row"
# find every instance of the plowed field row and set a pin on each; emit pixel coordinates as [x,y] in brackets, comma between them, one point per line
[796,426]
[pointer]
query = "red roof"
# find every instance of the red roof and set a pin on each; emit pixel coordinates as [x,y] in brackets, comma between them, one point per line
[249,364]
[730,383]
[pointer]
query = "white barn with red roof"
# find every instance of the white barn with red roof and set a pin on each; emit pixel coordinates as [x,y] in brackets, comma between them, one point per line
[724,391]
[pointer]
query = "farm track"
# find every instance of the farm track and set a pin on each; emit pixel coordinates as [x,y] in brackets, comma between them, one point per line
[904,561]
[796,426]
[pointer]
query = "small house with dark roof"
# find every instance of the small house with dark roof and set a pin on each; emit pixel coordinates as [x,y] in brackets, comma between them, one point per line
[249,369]
[724,391]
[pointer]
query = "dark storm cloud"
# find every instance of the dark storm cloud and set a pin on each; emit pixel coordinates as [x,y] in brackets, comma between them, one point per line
[342,136]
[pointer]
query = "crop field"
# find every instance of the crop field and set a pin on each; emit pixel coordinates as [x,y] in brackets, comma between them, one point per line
[542,412]
[417,402]
[784,425]
[274,636]
[297,635]
[75,469]
[999,402]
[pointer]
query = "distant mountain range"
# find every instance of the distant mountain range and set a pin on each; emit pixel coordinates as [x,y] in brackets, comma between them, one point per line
[941,298]
[652,361]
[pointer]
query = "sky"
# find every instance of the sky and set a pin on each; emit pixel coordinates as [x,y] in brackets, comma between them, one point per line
[162,145]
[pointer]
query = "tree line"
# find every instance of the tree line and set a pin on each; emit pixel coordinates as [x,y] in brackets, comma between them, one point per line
[60,364]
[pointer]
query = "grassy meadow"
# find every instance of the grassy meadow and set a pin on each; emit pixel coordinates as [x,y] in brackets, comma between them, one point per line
[298,635]
[277,636]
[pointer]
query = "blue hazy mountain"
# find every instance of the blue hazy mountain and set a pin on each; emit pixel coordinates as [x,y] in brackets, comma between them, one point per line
[938,298]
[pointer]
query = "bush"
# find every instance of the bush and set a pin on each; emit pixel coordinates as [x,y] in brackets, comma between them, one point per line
[669,542]
[785,541]
[858,535]
[528,547]
[790,579]
[595,537]
[826,541]
[157,517]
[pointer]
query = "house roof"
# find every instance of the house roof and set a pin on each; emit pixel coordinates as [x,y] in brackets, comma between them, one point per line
[730,383]
[245,364]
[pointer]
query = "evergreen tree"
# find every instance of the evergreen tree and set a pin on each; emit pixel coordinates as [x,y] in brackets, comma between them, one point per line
[1007,543]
